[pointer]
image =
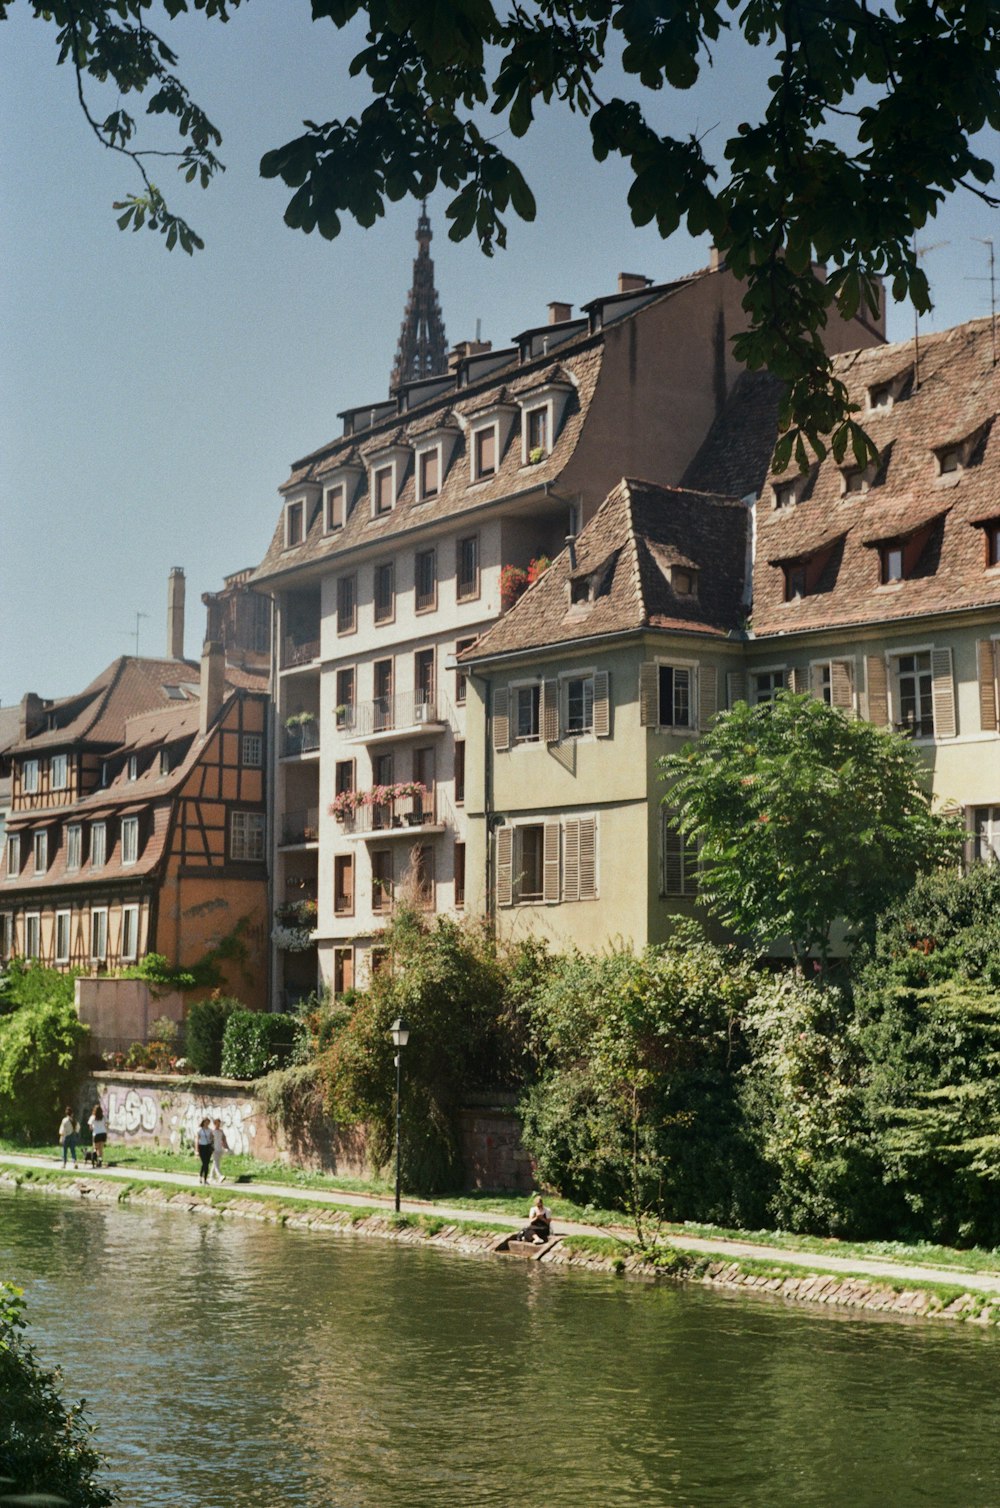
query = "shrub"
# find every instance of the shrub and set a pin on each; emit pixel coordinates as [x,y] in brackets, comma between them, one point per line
[39,1045]
[257,1042]
[46,1447]
[31,983]
[204,1030]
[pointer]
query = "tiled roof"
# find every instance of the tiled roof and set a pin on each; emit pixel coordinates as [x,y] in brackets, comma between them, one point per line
[58,877]
[735,456]
[948,397]
[98,714]
[625,550]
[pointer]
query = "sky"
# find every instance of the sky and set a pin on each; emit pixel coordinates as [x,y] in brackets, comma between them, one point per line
[151,404]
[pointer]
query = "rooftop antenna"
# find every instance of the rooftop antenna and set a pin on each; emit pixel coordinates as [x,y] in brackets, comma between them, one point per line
[479,327]
[919,252]
[988,241]
[138,616]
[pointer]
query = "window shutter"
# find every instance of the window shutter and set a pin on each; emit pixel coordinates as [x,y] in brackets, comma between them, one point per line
[878,690]
[649,686]
[571,859]
[505,866]
[798,679]
[944,693]
[736,687]
[602,704]
[842,684]
[550,712]
[550,862]
[588,858]
[501,719]
[348,877]
[690,866]
[708,695]
[673,857]
[989,654]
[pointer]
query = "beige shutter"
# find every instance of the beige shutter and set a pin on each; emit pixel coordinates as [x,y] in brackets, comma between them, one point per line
[842,684]
[602,704]
[708,695]
[989,653]
[505,866]
[501,719]
[878,690]
[673,857]
[550,712]
[588,858]
[550,861]
[649,686]
[798,679]
[571,859]
[944,693]
[736,687]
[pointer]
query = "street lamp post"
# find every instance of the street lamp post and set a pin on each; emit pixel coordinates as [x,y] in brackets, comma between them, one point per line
[400,1034]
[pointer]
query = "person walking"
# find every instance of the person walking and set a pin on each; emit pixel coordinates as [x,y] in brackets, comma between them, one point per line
[219,1145]
[67,1136]
[99,1132]
[203,1141]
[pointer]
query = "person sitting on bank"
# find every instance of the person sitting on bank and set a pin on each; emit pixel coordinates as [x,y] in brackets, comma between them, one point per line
[539,1221]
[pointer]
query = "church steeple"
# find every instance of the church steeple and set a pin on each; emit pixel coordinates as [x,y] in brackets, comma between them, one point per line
[422,350]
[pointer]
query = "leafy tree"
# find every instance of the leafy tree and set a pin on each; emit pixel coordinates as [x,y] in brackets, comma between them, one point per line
[804,816]
[869,124]
[258,1042]
[47,1454]
[39,1055]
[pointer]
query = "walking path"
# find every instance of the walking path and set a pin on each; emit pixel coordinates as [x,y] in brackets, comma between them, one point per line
[984,1282]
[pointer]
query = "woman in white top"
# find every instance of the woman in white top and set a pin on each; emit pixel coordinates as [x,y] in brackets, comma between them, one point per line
[67,1136]
[99,1131]
[219,1145]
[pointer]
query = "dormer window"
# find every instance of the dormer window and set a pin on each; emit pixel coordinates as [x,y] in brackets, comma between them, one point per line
[795,580]
[579,589]
[29,776]
[387,471]
[993,543]
[489,433]
[785,494]
[485,453]
[684,580]
[854,481]
[891,557]
[294,524]
[880,396]
[383,490]
[133,767]
[536,421]
[334,510]
[950,460]
[429,473]
[542,411]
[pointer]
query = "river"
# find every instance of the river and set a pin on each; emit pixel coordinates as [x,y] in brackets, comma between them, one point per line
[230,1364]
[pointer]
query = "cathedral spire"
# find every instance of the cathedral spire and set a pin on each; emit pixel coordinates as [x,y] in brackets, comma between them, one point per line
[422,350]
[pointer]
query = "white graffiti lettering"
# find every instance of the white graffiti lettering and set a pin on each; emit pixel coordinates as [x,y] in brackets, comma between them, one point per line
[131,1112]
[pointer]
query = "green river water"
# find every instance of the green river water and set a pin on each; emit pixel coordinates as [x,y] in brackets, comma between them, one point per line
[230,1364]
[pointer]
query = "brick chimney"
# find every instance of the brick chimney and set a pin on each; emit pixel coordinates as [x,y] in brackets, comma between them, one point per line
[467,348]
[32,716]
[175,614]
[213,683]
[716,261]
[632,282]
[559,313]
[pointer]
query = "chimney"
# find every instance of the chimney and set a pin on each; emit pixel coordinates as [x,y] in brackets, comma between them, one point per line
[716,261]
[559,313]
[570,543]
[175,614]
[32,716]
[467,348]
[213,683]
[632,282]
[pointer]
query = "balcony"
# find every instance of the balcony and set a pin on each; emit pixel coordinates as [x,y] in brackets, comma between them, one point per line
[298,829]
[410,714]
[404,817]
[301,738]
[297,651]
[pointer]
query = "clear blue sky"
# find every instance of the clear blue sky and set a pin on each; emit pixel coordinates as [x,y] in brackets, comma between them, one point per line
[151,403]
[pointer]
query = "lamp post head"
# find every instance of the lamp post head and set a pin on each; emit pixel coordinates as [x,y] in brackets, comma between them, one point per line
[399,1032]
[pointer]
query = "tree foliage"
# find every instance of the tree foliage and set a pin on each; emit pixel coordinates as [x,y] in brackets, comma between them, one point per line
[258,1042]
[804,816]
[869,123]
[39,1066]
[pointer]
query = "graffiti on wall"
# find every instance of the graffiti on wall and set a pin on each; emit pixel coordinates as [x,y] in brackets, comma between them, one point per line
[174,1118]
[237,1122]
[131,1112]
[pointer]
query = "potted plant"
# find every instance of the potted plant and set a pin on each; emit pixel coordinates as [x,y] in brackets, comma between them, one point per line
[536,454]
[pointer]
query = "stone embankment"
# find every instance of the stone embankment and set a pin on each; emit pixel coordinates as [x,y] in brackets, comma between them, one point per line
[948,1300]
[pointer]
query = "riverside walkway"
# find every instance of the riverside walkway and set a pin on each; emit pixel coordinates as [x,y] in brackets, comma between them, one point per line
[916,1273]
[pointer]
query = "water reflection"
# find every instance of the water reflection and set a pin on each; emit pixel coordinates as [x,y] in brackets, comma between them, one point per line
[233,1363]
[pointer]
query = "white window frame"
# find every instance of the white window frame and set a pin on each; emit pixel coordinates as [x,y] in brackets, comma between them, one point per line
[293,506]
[40,850]
[133,767]
[518,829]
[32,925]
[59,772]
[771,670]
[130,841]
[329,494]
[63,935]
[98,845]
[893,657]
[13,856]
[534,690]
[29,777]
[130,924]
[691,668]
[164,761]
[785,493]
[566,678]
[476,474]
[246,837]
[394,461]
[98,934]
[419,456]
[252,750]
[74,841]
[552,399]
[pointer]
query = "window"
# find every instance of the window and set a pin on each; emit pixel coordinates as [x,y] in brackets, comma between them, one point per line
[880,396]
[429,474]
[385,592]
[334,508]
[529,867]
[130,840]
[294,524]
[678,858]
[347,604]
[252,750]
[383,490]
[343,777]
[6,935]
[484,453]
[684,581]
[795,581]
[993,544]
[74,846]
[383,704]
[40,845]
[784,494]
[246,837]
[949,460]
[32,935]
[381,879]
[344,710]
[343,884]
[13,855]
[425,573]
[527,701]
[537,432]
[854,481]
[98,844]
[343,970]
[59,772]
[29,776]
[423,680]
[579,695]
[164,761]
[675,696]
[130,934]
[915,695]
[62,936]
[105,773]
[459,771]
[891,557]
[766,685]
[99,934]
[986,834]
[460,674]
[459,874]
[423,877]
[467,568]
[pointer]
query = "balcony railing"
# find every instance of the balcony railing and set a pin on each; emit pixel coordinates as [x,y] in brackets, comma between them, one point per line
[398,815]
[300,827]
[298,651]
[302,739]
[408,709]
[917,727]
